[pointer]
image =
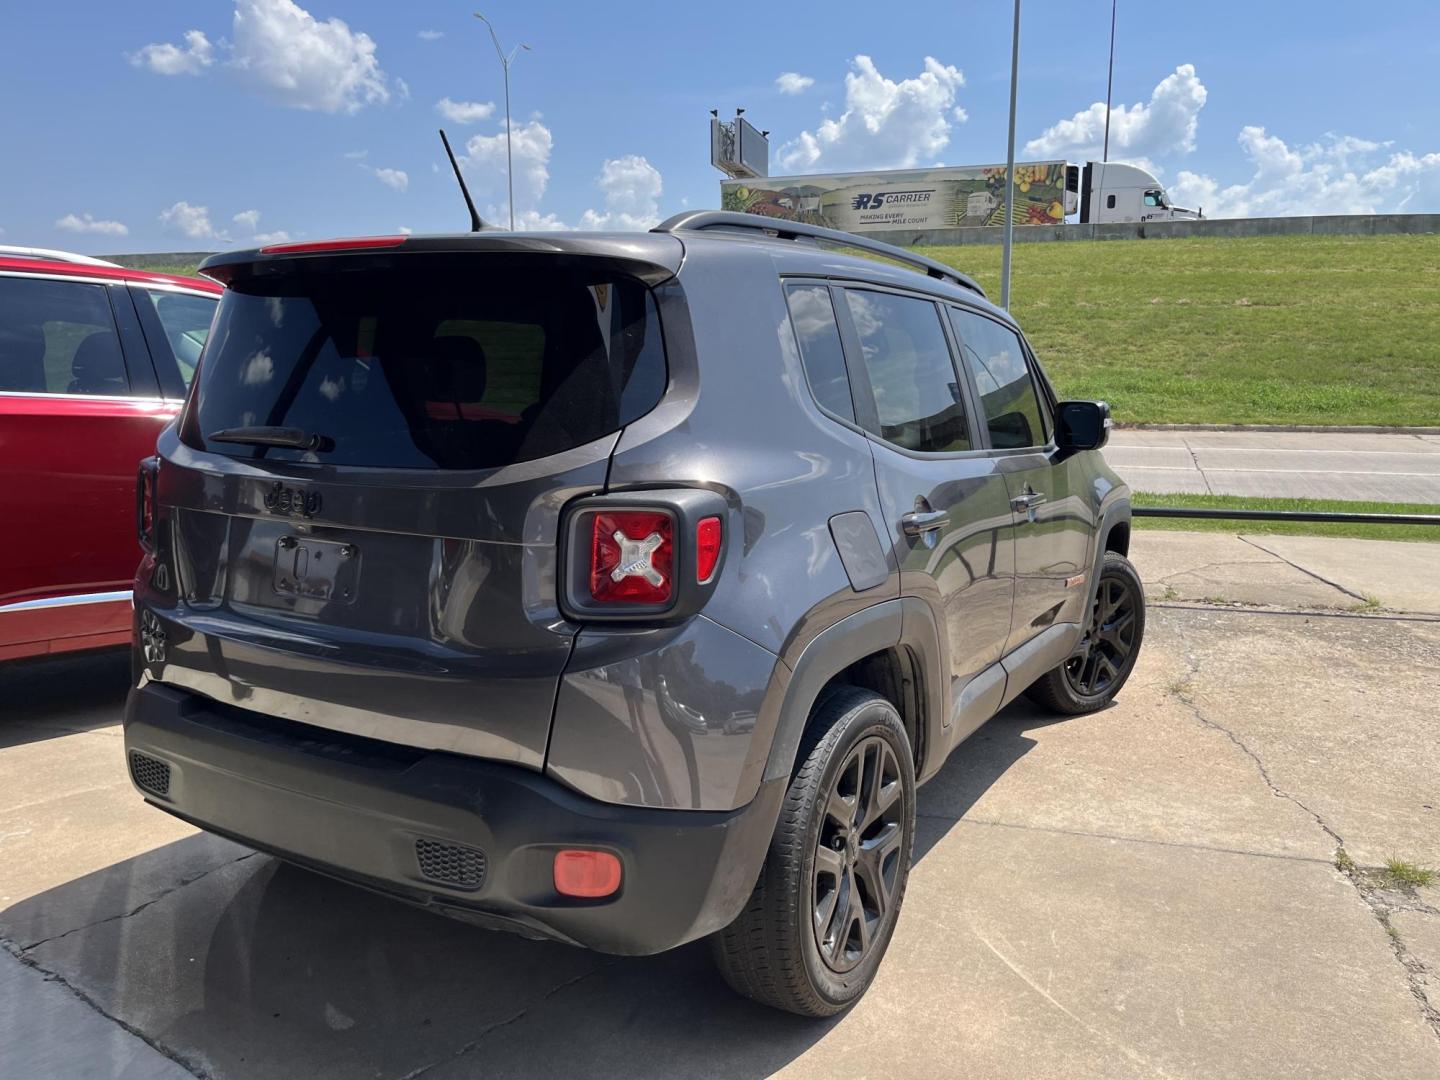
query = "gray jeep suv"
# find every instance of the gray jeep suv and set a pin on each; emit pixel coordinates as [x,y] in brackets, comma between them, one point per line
[617,589]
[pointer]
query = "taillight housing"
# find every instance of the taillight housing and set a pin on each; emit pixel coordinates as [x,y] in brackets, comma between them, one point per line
[651,556]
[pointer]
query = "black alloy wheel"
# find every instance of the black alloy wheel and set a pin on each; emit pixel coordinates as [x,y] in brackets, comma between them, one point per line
[1109,639]
[857,857]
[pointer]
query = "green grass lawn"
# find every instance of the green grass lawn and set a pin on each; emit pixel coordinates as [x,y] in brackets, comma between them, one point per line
[1271,330]
[1286,528]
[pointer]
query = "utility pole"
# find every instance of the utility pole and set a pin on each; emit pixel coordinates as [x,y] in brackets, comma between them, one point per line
[1109,81]
[1010,166]
[505,62]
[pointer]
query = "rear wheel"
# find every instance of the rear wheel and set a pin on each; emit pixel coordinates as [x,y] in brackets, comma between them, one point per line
[822,913]
[1094,673]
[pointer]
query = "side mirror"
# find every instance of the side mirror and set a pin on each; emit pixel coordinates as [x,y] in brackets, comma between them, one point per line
[1082,425]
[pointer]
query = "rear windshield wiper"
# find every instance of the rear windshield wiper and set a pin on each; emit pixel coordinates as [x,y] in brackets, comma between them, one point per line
[288,437]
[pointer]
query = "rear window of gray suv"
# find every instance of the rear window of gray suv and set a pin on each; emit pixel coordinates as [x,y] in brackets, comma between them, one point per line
[428,367]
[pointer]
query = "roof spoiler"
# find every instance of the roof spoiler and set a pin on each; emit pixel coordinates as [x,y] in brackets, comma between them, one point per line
[728,221]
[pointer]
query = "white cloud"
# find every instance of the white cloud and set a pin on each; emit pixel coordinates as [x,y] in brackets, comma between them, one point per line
[534,221]
[1138,133]
[84,223]
[464,112]
[1343,175]
[631,186]
[886,124]
[532,143]
[404,230]
[393,178]
[294,59]
[193,221]
[430,35]
[249,221]
[285,54]
[792,82]
[166,59]
[356,155]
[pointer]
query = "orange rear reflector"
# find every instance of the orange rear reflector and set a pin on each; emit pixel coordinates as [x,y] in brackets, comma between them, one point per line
[588,874]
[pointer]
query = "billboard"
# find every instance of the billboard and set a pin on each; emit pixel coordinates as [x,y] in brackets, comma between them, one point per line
[942,198]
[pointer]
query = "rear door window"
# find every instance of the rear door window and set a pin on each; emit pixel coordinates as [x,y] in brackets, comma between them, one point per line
[176,325]
[58,337]
[821,352]
[995,357]
[918,397]
[448,367]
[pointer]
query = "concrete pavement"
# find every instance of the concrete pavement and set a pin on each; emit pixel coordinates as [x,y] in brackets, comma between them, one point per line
[1147,892]
[1308,464]
[1312,572]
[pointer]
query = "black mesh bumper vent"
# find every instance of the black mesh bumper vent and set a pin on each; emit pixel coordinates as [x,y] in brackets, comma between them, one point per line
[150,773]
[450,864]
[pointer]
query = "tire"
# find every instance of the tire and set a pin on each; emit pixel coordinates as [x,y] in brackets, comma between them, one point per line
[774,951]
[1089,680]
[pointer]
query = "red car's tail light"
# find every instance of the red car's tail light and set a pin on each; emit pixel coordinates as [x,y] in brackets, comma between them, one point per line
[587,874]
[632,556]
[708,535]
[145,503]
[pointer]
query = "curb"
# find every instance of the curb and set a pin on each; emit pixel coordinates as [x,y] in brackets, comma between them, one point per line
[1339,429]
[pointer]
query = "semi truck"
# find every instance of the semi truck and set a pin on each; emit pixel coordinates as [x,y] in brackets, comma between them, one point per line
[1046,193]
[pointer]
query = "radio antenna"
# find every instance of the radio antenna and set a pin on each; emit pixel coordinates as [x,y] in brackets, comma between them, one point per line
[475,223]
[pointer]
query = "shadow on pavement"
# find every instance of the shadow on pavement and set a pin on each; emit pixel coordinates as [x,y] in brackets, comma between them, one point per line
[43,698]
[257,968]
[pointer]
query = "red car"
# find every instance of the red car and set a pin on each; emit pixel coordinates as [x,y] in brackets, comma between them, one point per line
[94,361]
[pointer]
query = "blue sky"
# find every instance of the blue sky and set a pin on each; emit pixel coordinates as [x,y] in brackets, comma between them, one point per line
[171,125]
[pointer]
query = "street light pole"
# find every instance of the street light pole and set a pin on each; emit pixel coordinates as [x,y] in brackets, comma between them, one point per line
[1109,81]
[505,62]
[1009,240]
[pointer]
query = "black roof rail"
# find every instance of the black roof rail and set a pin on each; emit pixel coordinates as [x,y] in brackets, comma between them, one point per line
[700,220]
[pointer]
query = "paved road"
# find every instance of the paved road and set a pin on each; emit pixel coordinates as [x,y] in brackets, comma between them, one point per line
[1149,892]
[1317,465]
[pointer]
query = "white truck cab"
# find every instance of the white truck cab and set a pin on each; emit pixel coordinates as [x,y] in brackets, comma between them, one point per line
[1110,191]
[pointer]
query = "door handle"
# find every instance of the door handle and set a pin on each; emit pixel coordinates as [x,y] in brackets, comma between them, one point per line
[920,522]
[1021,503]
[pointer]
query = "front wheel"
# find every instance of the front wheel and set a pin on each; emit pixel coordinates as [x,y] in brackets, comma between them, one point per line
[1094,673]
[812,935]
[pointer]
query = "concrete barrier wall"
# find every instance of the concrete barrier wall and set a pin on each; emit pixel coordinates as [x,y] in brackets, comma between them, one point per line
[1329,225]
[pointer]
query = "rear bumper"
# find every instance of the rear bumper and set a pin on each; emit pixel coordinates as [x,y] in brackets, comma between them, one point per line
[355,808]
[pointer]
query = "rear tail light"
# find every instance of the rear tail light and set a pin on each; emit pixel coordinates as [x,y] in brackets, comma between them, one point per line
[586,874]
[632,557]
[145,503]
[649,557]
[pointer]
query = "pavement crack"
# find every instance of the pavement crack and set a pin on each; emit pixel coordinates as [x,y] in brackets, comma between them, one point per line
[514,1018]
[1195,460]
[1380,902]
[1181,695]
[1297,566]
[160,1048]
[1384,900]
[141,907]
